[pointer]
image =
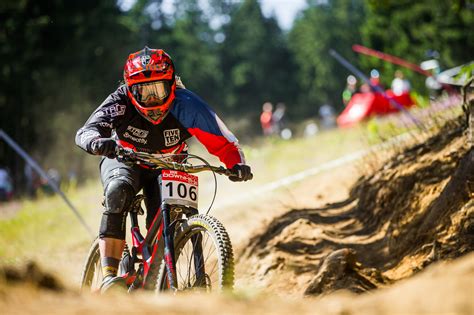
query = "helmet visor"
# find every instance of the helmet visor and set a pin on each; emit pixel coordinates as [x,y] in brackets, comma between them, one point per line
[151,94]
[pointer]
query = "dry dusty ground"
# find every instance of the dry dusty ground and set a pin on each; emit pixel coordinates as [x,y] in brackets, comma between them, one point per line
[398,241]
[415,210]
[444,288]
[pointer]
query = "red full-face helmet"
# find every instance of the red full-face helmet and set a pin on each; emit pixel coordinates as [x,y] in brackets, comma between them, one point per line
[150,78]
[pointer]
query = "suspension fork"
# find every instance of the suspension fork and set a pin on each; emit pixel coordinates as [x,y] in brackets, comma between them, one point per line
[198,254]
[168,236]
[198,260]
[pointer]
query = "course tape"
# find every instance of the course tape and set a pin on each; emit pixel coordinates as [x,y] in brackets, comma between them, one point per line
[45,176]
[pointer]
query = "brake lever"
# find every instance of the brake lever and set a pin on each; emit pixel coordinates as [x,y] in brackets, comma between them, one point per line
[125,155]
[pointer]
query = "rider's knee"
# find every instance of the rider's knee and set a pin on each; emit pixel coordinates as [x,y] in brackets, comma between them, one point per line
[118,196]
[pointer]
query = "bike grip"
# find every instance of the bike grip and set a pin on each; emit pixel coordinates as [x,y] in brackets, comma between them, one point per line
[229,172]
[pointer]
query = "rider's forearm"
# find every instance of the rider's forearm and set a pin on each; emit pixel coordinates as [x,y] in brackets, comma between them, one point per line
[85,137]
[228,152]
[102,121]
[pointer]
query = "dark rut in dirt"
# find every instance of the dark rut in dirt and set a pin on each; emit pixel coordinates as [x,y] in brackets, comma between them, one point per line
[418,207]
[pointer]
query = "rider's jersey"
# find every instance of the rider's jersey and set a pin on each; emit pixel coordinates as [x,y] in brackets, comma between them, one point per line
[189,116]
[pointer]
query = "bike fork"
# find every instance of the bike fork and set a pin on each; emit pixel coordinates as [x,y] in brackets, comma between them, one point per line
[198,261]
[169,257]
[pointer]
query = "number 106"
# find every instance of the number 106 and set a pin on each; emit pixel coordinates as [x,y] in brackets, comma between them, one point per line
[182,191]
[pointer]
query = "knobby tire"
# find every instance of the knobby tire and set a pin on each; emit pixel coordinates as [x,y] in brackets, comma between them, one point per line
[224,263]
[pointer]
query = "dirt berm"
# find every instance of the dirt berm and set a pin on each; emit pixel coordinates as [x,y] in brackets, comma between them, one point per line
[416,209]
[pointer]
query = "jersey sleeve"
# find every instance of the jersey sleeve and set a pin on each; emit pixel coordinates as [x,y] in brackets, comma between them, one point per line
[103,120]
[203,123]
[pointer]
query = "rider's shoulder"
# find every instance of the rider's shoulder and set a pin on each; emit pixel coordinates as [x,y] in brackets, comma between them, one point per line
[122,91]
[188,100]
[119,96]
[185,95]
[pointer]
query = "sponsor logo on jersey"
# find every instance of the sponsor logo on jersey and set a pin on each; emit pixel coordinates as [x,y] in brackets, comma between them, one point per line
[135,139]
[112,111]
[171,137]
[138,132]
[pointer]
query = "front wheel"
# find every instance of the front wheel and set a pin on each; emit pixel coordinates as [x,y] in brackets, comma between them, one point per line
[204,257]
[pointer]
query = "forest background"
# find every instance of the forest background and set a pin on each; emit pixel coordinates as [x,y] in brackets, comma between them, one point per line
[60,59]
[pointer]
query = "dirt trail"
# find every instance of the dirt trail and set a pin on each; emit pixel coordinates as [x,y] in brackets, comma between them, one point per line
[417,209]
[444,288]
[331,237]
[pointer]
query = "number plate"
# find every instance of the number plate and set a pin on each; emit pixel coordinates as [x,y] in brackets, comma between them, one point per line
[179,188]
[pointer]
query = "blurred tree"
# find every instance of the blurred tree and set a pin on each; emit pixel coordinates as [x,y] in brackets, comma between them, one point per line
[256,62]
[324,25]
[57,56]
[411,29]
[184,33]
[194,50]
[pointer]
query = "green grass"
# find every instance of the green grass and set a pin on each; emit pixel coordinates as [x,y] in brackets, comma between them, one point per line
[48,225]
[278,158]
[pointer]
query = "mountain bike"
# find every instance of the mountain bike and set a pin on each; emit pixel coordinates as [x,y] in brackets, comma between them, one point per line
[182,249]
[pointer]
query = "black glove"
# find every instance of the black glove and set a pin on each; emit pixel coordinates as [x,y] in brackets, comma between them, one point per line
[104,146]
[242,173]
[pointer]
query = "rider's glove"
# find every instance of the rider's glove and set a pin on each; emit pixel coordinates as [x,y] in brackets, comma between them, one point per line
[104,146]
[242,173]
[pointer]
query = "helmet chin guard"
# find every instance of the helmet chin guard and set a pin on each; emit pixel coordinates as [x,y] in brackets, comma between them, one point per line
[155,115]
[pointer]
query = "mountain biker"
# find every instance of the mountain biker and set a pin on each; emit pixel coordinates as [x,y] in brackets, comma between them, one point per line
[152,112]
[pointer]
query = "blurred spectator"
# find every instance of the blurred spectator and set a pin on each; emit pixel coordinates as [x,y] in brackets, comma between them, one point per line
[433,67]
[375,77]
[399,84]
[365,88]
[351,89]
[266,119]
[278,118]
[33,181]
[6,186]
[311,129]
[328,117]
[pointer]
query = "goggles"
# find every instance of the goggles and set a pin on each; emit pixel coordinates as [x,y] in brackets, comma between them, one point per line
[151,94]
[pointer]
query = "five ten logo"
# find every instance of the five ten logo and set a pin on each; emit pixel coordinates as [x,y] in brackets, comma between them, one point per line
[171,137]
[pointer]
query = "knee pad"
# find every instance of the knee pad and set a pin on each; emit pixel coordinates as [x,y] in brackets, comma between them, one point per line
[112,225]
[118,196]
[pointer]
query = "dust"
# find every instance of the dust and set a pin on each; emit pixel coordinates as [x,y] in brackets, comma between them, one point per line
[31,274]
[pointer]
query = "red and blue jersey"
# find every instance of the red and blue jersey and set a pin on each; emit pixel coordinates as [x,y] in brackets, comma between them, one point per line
[189,116]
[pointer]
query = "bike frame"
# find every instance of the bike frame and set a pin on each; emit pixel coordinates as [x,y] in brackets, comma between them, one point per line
[147,246]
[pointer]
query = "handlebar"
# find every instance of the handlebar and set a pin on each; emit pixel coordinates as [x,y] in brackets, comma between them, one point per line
[157,162]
